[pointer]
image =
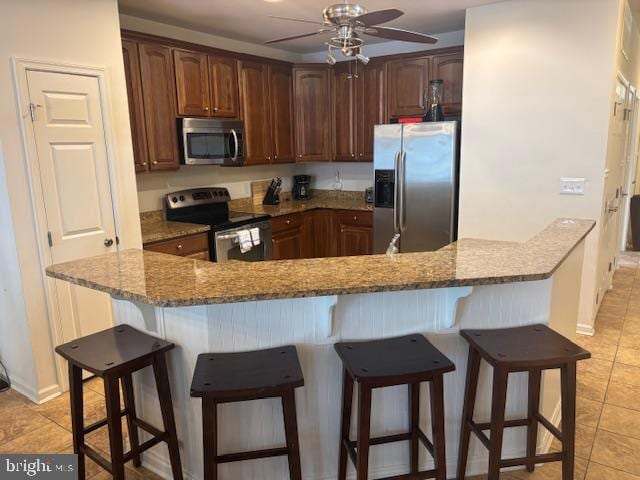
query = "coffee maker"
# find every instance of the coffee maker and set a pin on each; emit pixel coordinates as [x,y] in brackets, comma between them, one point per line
[301,188]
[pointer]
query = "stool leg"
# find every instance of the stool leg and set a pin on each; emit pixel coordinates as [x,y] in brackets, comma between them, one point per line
[210,438]
[414,425]
[437,427]
[532,428]
[364,430]
[166,407]
[114,424]
[347,402]
[77,415]
[498,404]
[471,388]
[130,406]
[568,381]
[291,433]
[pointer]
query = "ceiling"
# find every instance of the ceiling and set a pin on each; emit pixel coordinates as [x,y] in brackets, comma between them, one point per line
[249,20]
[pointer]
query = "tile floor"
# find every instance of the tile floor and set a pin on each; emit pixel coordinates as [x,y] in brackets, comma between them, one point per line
[608,410]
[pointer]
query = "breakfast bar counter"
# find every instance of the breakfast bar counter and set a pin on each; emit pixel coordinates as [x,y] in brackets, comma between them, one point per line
[312,304]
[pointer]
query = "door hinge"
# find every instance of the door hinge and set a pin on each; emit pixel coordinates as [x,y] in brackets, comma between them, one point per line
[32,111]
[117,240]
[50,239]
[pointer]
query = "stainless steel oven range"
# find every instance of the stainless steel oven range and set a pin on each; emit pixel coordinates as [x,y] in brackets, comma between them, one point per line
[232,237]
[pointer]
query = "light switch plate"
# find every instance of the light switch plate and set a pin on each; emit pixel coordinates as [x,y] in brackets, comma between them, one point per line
[572,186]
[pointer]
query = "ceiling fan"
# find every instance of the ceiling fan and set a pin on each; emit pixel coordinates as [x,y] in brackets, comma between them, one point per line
[346,22]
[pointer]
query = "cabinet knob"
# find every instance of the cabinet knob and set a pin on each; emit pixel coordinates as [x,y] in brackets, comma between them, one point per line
[179,247]
[206,109]
[355,218]
[342,230]
[362,154]
[268,158]
[353,155]
[300,156]
[155,162]
[288,222]
[144,164]
[215,109]
[275,157]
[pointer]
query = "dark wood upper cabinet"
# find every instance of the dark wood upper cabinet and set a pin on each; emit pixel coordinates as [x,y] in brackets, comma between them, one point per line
[254,110]
[223,77]
[370,104]
[312,104]
[136,107]
[448,67]
[407,80]
[192,83]
[281,95]
[345,118]
[159,100]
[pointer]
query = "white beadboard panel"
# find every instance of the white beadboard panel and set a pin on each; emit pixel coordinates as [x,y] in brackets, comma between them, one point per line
[314,325]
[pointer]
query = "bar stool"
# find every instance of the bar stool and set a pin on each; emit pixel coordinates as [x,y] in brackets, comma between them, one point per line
[373,364]
[235,377]
[529,349]
[113,355]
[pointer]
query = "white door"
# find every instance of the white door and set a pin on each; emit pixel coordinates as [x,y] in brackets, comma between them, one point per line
[630,167]
[74,170]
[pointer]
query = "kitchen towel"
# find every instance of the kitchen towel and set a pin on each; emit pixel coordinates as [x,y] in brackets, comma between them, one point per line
[255,236]
[244,239]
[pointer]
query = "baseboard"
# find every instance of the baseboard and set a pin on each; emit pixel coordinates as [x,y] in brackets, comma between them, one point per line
[36,396]
[48,393]
[584,329]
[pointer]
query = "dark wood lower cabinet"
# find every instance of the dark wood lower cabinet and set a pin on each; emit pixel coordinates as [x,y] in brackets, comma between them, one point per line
[322,233]
[192,246]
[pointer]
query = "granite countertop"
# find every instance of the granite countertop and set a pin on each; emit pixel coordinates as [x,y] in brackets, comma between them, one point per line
[156,229]
[171,281]
[338,200]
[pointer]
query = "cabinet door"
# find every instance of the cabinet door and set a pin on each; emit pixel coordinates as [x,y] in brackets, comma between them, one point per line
[345,118]
[288,244]
[281,95]
[192,83]
[223,75]
[355,233]
[254,110]
[312,100]
[449,67]
[407,81]
[159,100]
[370,102]
[136,109]
[324,234]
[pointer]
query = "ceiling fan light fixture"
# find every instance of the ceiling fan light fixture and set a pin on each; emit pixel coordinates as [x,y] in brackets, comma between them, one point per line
[363,58]
[331,60]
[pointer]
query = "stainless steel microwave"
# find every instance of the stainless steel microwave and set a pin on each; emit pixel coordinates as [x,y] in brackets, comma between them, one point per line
[207,141]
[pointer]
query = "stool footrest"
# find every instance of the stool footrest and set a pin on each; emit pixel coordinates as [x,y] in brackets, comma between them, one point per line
[150,429]
[101,423]
[96,457]
[253,455]
[414,476]
[507,424]
[546,458]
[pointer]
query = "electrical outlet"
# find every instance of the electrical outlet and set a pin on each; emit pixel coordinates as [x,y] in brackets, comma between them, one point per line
[572,186]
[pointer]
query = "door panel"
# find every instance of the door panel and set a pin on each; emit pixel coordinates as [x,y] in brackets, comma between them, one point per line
[136,108]
[370,109]
[192,83]
[281,92]
[430,152]
[73,162]
[159,96]
[345,85]
[449,69]
[254,107]
[223,74]
[312,94]
[407,83]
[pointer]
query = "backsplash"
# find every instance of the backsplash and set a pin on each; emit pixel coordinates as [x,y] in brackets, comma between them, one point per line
[151,187]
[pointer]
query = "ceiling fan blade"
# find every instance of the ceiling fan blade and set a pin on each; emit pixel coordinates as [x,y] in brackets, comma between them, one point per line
[379,16]
[296,20]
[399,34]
[293,38]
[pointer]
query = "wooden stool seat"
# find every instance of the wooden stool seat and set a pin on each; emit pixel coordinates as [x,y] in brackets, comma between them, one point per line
[409,360]
[113,349]
[258,374]
[239,376]
[402,359]
[530,346]
[529,349]
[113,355]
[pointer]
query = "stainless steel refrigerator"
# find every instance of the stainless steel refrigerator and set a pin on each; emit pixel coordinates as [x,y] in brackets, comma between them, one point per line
[416,185]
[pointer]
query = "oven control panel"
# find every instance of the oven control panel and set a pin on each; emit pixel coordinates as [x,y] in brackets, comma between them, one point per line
[196,196]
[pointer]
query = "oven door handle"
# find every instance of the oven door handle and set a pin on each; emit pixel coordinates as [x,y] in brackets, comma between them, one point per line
[234,135]
[228,236]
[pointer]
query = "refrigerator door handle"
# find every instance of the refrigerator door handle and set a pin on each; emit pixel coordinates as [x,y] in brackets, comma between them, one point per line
[403,193]
[396,193]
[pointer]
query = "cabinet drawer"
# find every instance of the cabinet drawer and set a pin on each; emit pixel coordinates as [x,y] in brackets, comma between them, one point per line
[286,222]
[183,246]
[355,217]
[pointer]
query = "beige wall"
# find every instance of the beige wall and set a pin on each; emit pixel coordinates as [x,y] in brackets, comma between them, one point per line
[85,33]
[537,93]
